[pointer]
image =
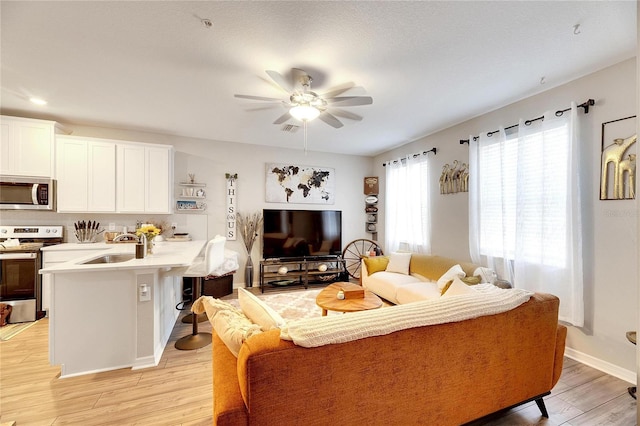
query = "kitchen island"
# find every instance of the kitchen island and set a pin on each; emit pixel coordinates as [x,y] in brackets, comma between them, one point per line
[105,316]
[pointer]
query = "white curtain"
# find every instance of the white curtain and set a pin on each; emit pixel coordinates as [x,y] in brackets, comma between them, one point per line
[407,220]
[491,202]
[524,208]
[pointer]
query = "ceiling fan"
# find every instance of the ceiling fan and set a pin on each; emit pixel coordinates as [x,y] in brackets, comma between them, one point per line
[305,105]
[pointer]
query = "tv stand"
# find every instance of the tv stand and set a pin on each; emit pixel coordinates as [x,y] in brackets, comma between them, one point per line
[301,271]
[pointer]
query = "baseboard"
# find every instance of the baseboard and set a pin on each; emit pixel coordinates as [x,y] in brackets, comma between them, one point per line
[604,366]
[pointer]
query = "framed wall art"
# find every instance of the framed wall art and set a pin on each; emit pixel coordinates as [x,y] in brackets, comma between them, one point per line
[618,163]
[290,184]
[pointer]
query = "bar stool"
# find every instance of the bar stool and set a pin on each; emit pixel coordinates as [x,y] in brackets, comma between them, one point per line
[201,268]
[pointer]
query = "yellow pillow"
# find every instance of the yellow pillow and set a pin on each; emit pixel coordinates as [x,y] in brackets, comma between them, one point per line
[466,280]
[376,263]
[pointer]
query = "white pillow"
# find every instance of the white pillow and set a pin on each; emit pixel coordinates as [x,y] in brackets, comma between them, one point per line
[486,274]
[399,262]
[457,288]
[454,271]
[258,311]
[233,329]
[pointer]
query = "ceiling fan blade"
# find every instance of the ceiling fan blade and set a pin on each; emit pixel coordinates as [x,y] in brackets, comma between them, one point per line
[345,114]
[280,81]
[338,90]
[283,118]
[330,120]
[258,98]
[351,100]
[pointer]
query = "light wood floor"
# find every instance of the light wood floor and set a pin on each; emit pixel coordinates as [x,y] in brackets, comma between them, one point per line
[178,391]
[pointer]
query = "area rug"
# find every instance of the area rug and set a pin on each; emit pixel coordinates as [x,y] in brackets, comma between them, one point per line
[292,304]
[12,330]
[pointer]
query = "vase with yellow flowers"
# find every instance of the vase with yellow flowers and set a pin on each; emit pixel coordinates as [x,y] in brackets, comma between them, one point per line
[150,231]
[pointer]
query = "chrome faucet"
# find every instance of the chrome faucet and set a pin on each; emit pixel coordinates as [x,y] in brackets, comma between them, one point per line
[127,235]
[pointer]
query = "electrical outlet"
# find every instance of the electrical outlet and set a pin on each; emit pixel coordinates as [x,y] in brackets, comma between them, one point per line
[144,292]
[174,225]
[112,227]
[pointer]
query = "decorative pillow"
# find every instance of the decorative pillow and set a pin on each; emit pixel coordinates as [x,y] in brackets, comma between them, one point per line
[467,280]
[234,328]
[399,263]
[258,311]
[454,271]
[486,274]
[457,288]
[376,263]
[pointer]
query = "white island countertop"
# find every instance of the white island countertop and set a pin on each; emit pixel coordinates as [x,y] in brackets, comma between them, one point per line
[166,254]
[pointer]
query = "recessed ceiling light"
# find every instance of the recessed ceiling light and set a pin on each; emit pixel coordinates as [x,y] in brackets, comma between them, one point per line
[38,101]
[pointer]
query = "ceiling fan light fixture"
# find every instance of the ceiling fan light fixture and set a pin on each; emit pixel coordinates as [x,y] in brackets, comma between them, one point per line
[304,112]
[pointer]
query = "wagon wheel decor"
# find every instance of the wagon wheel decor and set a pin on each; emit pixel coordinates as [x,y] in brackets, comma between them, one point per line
[354,252]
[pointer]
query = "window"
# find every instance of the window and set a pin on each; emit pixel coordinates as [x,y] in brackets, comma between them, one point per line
[407,220]
[524,209]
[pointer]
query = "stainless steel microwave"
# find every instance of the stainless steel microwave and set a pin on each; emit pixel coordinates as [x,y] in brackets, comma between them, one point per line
[28,193]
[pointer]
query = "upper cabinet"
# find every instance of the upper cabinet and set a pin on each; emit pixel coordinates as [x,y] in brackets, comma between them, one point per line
[86,173]
[27,146]
[101,175]
[144,176]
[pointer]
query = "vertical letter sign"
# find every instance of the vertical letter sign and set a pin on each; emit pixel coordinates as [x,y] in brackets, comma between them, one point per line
[231,206]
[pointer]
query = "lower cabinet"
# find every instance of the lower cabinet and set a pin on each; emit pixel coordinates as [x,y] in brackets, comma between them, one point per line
[292,272]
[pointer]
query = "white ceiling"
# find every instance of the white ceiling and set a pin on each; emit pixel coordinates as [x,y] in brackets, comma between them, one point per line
[153,66]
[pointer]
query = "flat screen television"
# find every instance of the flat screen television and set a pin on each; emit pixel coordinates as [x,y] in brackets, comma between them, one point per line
[301,233]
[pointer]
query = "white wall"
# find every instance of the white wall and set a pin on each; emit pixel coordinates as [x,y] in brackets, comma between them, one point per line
[210,160]
[611,236]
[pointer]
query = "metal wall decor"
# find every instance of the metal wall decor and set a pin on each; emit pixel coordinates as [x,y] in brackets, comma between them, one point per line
[300,184]
[454,178]
[618,167]
[231,205]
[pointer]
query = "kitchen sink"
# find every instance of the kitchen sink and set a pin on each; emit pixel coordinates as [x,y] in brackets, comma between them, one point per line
[109,258]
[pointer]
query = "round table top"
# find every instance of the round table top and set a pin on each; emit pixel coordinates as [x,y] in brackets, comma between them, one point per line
[328,299]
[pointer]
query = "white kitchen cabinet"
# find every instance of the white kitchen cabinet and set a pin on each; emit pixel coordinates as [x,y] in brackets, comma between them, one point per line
[27,146]
[104,175]
[86,173]
[144,178]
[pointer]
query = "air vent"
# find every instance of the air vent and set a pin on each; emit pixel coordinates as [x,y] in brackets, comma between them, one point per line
[291,128]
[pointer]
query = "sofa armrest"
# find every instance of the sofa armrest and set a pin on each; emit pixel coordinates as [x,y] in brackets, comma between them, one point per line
[561,338]
[364,273]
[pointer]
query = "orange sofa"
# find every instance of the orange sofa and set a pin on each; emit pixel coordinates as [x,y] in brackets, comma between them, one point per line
[445,374]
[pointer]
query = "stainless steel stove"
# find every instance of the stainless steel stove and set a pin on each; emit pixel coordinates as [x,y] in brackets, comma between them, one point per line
[20,261]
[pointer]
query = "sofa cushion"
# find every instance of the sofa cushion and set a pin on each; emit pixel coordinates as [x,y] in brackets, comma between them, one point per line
[258,311]
[466,280]
[456,288]
[415,292]
[233,329]
[432,267]
[385,284]
[376,263]
[454,271]
[399,263]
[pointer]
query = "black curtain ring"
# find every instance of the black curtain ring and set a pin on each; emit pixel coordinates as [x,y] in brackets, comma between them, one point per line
[559,113]
[527,123]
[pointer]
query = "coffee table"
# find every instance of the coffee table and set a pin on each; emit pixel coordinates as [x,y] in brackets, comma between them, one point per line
[328,300]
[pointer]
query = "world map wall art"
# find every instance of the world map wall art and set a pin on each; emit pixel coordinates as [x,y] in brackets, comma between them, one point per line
[300,184]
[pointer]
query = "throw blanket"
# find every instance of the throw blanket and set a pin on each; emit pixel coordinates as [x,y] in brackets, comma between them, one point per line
[487,300]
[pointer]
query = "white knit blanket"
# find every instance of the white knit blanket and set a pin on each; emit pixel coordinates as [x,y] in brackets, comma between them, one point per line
[319,331]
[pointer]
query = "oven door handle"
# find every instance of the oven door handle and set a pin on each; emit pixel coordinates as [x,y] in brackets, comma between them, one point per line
[13,256]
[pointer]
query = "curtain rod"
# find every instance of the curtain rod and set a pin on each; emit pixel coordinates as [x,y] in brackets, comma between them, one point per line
[559,113]
[418,154]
